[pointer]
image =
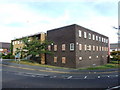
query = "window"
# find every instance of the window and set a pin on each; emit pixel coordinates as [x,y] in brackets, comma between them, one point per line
[85,35]
[63,59]
[80,33]
[80,58]
[96,48]
[96,56]
[18,42]
[99,38]
[90,57]
[89,36]
[96,38]
[13,42]
[63,47]
[85,46]
[55,47]
[71,46]
[106,40]
[55,59]
[102,39]
[93,37]
[100,48]
[49,47]
[89,47]
[80,46]
[93,48]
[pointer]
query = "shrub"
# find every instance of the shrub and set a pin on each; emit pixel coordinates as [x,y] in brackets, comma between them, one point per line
[12,57]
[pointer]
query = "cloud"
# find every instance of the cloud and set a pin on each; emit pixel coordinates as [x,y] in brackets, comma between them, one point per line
[23,17]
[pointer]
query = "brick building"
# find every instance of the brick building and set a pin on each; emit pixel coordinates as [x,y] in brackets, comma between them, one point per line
[75,46]
[17,43]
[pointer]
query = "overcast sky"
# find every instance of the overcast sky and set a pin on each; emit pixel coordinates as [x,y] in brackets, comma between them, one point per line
[24,17]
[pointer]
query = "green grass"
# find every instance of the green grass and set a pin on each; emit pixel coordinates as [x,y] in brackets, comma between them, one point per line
[26,62]
[112,64]
[106,66]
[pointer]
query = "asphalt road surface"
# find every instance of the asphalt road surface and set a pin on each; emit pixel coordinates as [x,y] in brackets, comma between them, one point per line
[16,77]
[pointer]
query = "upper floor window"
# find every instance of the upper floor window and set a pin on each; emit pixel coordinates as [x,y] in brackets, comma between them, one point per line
[93,37]
[102,39]
[89,36]
[18,42]
[80,33]
[97,38]
[71,46]
[13,42]
[55,47]
[85,35]
[63,47]
[80,46]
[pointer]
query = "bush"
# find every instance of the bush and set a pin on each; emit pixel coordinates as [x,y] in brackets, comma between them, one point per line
[116,55]
[8,56]
[12,57]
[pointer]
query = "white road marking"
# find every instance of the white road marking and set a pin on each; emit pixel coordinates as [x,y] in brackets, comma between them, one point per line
[116,75]
[69,77]
[108,76]
[49,69]
[94,72]
[113,88]
[54,76]
[89,72]
[85,77]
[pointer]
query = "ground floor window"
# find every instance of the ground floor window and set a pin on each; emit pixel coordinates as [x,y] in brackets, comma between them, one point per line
[63,59]
[55,59]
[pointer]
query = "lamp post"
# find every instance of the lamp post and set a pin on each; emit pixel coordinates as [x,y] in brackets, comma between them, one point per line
[118,46]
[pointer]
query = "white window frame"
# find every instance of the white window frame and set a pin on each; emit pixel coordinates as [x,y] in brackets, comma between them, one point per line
[80,46]
[64,58]
[55,59]
[85,34]
[100,39]
[85,47]
[93,48]
[96,38]
[89,35]
[55,47]
[72,46]
[93,37]
[49,47]
[80,33]
[63,47]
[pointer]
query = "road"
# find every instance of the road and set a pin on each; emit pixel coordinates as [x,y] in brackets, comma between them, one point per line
[22,77]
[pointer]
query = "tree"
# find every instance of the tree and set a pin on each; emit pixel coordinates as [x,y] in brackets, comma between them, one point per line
[33,46]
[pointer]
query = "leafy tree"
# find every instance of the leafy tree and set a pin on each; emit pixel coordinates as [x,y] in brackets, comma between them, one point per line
[116,55]
[34,47]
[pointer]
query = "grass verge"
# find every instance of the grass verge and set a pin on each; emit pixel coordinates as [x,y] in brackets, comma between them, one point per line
[112,64]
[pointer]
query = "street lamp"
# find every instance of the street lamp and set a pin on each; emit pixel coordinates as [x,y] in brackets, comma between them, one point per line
[118,46]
